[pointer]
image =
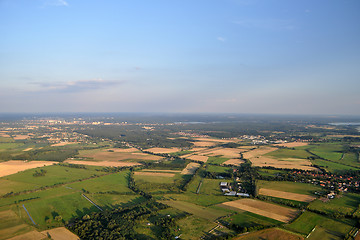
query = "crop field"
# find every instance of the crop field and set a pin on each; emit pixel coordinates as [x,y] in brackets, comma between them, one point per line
[161,170]
[33,235]
[233,162]
[196,157]
[60,233]
[279,213]
[11,224]
[13,166]
[286,195]
[292,144]
[327,151]
[323,234]
[103,163]
[217,160]
[225,152]
[286,153]
[155,174]
[190,168]
[204,212]
[308,220]
[218,169]
[294,163]
[204,144]
[116,155]
[345,204]
[163,150]
[270,234]
[291,187]
[258,152]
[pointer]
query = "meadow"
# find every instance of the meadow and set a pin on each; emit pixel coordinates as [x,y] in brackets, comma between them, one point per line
[291,187]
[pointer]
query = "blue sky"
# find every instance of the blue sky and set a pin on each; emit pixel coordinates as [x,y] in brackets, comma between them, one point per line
[238,56]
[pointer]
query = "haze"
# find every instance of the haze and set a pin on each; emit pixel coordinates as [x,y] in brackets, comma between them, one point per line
[235,56]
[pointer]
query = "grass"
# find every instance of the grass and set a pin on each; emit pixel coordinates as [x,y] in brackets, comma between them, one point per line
[332,166]
[217,169]
[308,220]
[270,172]
[248,219]
[116,182]
[10,145]
[217,160]
[55,174]
[324,234]
[293,187]
[208,213]
[345,204]
[193,227]
[327,151]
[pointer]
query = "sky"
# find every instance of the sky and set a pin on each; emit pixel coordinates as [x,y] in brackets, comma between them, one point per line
[180,56]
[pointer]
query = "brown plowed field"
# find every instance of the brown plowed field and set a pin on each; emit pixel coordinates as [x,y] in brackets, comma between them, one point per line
[282,214]
[286,195]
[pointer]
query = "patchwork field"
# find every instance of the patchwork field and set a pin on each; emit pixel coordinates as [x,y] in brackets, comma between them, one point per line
[282,214]
[13,166]
[60,144]
[155,174]
[286,195]
[293,163]
[190,168]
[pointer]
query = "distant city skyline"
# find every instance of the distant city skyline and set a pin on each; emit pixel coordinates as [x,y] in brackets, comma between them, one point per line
[230,56]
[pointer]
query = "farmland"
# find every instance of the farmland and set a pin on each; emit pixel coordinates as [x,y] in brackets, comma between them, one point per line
[165,179]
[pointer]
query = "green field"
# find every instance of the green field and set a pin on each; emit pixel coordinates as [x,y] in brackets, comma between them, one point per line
[327,151]
[10,145]
[332,166]
[217,169]
[193,227]
[55,174]
[308,220]
[293,187]
[270,172]
[346,203]
[11,225]
[248,220]
[217,160]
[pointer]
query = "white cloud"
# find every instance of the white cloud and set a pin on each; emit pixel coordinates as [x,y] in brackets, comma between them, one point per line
[221,39]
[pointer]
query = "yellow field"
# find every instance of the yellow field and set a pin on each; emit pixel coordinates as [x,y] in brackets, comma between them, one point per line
[282,214]
[190,168]
[160,170]
[60,233]
[103,163]
[62,144]
[21,137]
[262,161]
[11,225]
[155,174]
[196,157]
[292,144]
[14,166]
[258,152]
[286,195]
[204,144]
[28,149]
[234,162]
[163,150]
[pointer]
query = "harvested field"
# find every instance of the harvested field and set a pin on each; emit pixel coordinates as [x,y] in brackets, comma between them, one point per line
[123,150]
[197,149]
[4,135]
[190,168]
[14,166]
[258,152]
[204,144]
[155,174]
[262,161]
[196,157]
[103,163]
[286,195]
[234,162]
[60,233]
[21,137]
[119,155]
[62,144]
[270,234]
[28,149]
[163,150]
[33,235]
[282,214]
[226,152]
[160,170]
[292,144]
